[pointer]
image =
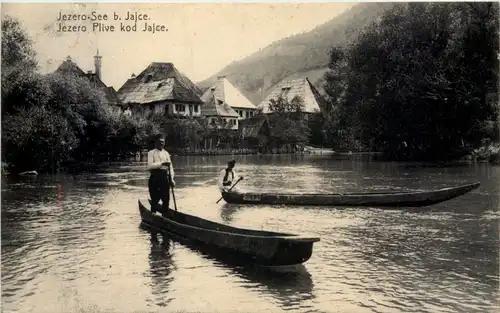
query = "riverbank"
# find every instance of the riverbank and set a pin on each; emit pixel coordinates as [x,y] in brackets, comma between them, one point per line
[488,153]
[209,152]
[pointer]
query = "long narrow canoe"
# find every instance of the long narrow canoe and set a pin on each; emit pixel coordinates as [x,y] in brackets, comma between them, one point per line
[378,199]
[259,247]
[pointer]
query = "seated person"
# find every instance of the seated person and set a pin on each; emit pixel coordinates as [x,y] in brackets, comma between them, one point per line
[227,177]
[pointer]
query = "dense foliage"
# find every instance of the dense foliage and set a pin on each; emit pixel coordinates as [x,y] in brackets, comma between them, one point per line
[196,134]
[421,83]
[48,120]
[288,123]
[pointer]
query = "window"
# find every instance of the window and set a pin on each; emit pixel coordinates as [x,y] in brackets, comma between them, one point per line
[196,108]
[180,108]
[220,101]
[240,112]
[285,91]
[148,78]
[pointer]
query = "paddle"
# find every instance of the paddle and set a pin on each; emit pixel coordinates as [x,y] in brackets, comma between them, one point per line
[230,188]
[171,186]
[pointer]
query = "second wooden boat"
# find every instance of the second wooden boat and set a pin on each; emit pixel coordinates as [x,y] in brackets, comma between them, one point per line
[260,247]
[378,199]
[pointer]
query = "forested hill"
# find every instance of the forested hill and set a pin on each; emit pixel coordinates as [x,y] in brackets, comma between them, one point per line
[304,54]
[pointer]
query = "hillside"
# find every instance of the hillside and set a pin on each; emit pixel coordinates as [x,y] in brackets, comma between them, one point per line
[304,54]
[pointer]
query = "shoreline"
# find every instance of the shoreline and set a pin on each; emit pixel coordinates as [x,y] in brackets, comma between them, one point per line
[487,156]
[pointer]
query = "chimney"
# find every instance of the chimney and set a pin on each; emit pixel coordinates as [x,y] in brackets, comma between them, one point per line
[221,77]
[132,76]
[98,63]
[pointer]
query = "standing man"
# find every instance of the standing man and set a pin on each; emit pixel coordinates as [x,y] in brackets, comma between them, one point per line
[227,176]
[162,175]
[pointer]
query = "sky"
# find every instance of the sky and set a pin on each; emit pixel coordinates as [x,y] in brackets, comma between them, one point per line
[201,39]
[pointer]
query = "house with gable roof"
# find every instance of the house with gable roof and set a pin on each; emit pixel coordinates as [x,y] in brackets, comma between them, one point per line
[289,89]
[259,132]
[161,90]
[226,92]
[95,78]
[218,113]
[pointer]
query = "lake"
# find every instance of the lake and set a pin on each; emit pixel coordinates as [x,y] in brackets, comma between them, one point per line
[77,246]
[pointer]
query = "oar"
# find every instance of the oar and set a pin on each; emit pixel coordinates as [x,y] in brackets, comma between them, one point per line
[230,188]
[173,196]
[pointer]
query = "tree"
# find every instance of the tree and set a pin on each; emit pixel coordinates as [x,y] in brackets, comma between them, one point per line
[415,83]
[48,120]
[20,82]
[37,138]
[288,121]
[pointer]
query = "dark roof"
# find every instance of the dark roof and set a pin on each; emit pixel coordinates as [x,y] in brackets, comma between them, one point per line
[250,128]
[186,121]
[110,95]
[214,107]
[159,82]
[69,66]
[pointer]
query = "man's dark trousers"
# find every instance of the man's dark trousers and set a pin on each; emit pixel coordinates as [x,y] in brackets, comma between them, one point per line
[159,189]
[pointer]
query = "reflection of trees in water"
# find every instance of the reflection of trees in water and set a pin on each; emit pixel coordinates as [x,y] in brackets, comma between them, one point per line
[161,266]
[289,288]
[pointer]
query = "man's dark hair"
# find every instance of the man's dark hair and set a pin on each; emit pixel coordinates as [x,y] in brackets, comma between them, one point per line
[159,136]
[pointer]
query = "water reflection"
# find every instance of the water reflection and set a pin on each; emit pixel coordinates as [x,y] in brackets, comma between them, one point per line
[56,232]
[228,211]
[290,288]
[161,266]
[82,237]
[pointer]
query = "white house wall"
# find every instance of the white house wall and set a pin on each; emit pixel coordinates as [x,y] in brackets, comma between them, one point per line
[158,109]
[244,113]
[185,109]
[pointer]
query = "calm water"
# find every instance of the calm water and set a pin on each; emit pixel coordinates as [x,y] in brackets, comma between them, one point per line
[76,246]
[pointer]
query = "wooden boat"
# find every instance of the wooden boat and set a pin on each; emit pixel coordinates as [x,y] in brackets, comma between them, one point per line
[261,247]
[379,199]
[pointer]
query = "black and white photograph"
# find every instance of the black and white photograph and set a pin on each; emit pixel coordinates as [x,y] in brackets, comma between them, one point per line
[219,157]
